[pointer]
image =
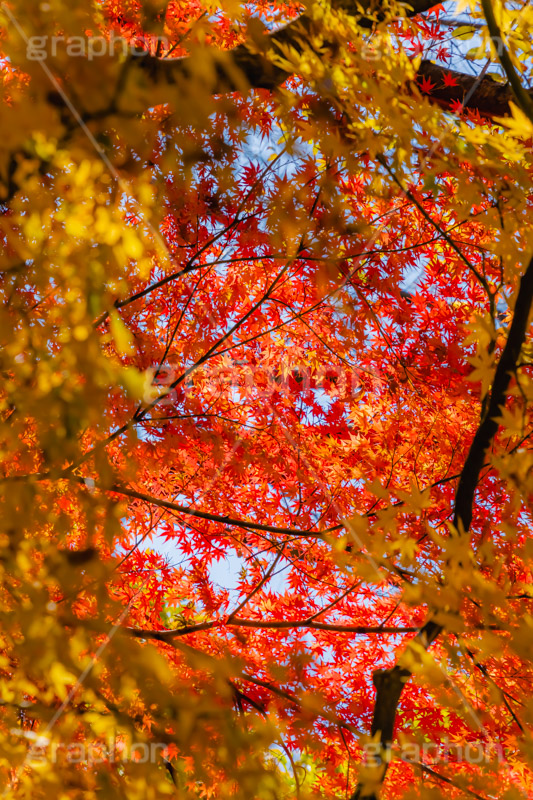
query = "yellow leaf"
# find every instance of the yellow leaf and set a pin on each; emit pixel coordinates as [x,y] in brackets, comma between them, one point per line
[122,336]
[519,124]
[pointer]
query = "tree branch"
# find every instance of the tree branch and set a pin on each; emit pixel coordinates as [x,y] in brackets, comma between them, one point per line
[282,624]
[192,512]
[389,683]
[250,66]
[486,96]
[464,498]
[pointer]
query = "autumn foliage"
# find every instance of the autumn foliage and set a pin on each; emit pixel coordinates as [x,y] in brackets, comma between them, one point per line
[266,400]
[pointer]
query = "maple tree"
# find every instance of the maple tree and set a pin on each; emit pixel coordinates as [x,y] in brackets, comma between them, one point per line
[266,288]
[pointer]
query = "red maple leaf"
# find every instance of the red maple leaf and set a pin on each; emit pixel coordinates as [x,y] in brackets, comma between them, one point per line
[457,107]
[449,80]
[426,85]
